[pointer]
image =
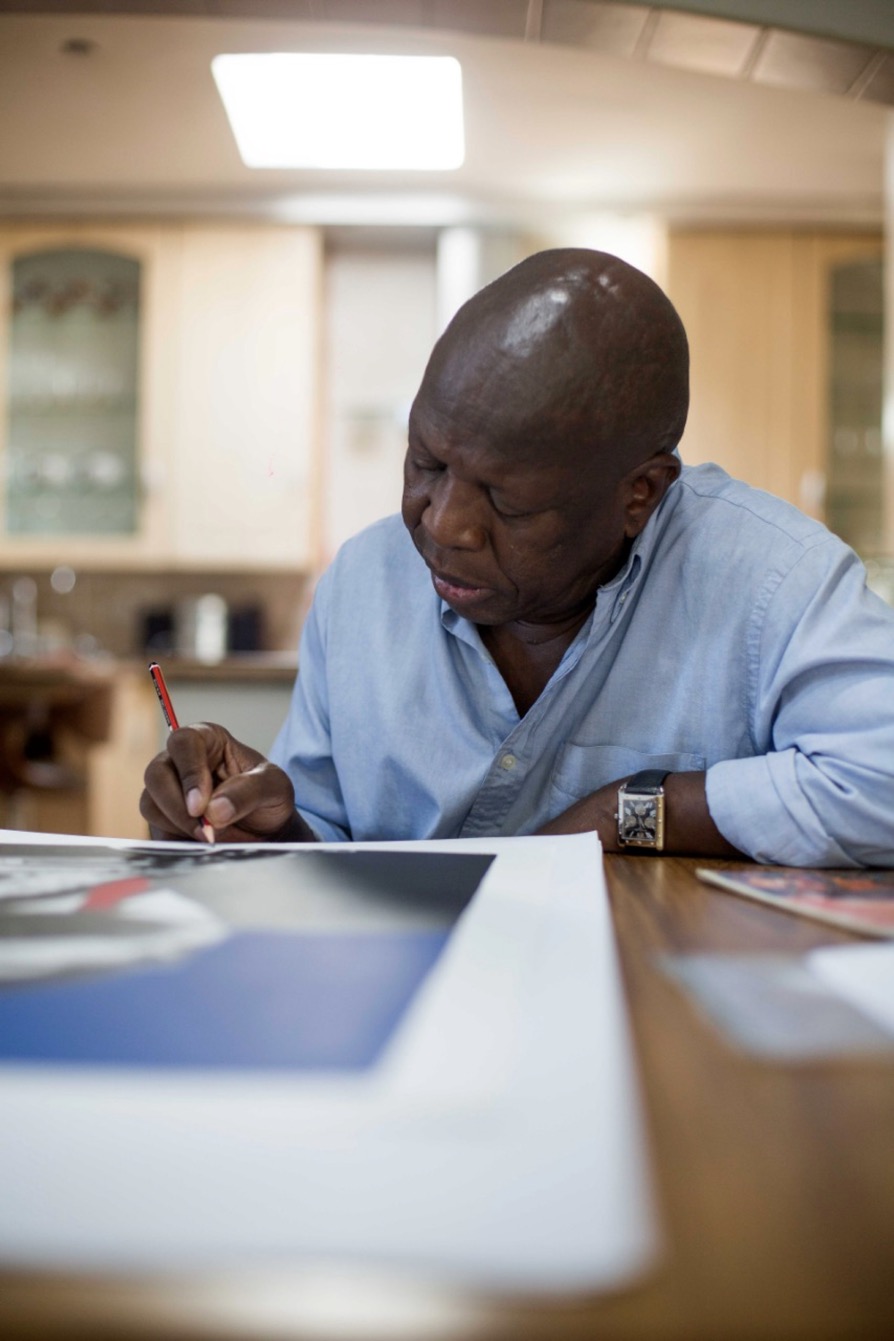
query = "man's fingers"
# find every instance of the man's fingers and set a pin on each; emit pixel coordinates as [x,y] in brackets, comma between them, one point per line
[179,781]
[206,774]
[259,801]
[196,753]
[161,803]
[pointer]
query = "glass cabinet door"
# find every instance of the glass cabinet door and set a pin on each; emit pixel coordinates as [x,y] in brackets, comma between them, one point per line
[72,394]
[854,499]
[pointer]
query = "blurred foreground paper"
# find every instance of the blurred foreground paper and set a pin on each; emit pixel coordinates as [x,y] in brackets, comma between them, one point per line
[778,1007]
[490,1132]
[863,975]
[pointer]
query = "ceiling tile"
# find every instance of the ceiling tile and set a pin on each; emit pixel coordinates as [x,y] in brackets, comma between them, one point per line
[880,86]
[496,18]
[612,29]
[792,60]
[691,42]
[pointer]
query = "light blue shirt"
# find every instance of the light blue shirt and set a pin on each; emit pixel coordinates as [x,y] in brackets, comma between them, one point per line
[739,638]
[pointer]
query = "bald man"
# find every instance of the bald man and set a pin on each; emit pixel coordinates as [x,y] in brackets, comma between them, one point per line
[567,630]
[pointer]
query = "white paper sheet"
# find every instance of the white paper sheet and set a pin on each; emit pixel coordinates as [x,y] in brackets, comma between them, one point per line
[499,1143]
[863,975]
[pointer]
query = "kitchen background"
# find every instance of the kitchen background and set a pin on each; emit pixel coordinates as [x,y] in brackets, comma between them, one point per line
[205,371]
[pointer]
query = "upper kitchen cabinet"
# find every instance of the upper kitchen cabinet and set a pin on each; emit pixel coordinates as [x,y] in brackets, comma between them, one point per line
[73,376]
[760,310]
[159,396]
[246,405]
[86,392]
[855,496]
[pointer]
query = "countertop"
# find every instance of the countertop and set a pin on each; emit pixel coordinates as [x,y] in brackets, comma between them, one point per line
[269,667]
[20,675]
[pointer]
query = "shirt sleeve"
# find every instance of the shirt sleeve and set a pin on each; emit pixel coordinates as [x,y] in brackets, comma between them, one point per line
[819,790]
[303,746]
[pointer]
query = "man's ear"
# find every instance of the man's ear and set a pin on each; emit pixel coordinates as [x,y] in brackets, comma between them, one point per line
[645,486]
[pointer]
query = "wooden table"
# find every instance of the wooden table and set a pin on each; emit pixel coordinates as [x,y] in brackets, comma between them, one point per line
[776,1184]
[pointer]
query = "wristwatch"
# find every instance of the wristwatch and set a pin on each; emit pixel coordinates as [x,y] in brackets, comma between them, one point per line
[641,811]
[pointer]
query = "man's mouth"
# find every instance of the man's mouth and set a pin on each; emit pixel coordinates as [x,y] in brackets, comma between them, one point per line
[455,590]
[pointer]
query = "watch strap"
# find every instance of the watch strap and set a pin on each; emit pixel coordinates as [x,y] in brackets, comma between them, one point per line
[649,780]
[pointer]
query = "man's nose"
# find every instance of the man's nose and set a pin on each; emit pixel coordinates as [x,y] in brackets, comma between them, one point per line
[454,516]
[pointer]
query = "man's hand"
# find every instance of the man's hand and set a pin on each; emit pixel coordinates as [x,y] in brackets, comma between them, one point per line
[596,811]
[688,824]
[206,773]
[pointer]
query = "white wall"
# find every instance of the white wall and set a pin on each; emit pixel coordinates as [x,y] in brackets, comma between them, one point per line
[380,306]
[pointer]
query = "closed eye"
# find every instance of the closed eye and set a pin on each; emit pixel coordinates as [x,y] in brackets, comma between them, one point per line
[426,464]
[509,513]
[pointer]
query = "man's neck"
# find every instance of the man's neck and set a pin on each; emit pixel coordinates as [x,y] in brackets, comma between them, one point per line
[527,655]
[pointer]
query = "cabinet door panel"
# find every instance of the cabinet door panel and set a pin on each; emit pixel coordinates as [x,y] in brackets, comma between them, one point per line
[734,292]
[245,421]
[755,304]
[155,250]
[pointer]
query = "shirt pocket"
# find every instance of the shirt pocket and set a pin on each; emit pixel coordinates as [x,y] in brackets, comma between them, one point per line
[582,769]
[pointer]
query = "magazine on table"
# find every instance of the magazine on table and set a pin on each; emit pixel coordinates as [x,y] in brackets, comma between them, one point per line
[854,900]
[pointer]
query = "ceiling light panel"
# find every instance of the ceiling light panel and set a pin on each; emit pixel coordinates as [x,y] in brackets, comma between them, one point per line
[305,110]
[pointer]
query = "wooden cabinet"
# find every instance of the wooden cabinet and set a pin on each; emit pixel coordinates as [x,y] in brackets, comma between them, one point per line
[75,741]
[756,307]
[157,254]
[227,413]
[114,768]
[245,420]
[75,738]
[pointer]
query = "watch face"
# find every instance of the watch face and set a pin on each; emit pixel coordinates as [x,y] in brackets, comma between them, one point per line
[639,820]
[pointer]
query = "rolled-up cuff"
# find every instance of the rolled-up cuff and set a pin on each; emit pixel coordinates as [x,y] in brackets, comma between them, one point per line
[759,807]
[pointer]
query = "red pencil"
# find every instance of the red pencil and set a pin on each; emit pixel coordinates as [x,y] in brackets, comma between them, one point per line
[167,708]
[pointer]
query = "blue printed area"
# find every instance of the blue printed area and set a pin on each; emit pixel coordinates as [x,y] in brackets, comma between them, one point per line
[257,1001]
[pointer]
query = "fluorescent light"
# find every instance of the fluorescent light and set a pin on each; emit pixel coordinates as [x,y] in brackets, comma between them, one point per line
[298,110]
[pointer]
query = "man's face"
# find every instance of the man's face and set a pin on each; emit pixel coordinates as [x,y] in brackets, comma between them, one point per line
[508,536]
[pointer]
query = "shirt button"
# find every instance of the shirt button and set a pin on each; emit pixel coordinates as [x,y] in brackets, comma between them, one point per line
[508,762]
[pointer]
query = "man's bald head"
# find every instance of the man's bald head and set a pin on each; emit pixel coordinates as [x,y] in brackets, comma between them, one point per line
[571,351]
